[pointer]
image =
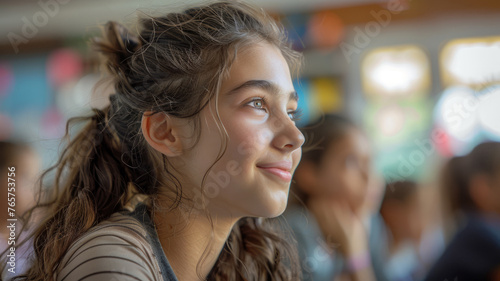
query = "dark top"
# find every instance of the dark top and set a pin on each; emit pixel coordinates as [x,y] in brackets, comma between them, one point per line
[473,253]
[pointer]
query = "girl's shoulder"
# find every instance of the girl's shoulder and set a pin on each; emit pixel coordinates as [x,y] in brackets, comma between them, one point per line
[115,249]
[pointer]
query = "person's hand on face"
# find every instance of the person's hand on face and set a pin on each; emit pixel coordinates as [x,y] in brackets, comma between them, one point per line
[344,172]
[341,227]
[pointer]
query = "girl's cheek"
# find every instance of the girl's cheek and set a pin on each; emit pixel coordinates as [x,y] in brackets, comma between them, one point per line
[264,139]
[253,142]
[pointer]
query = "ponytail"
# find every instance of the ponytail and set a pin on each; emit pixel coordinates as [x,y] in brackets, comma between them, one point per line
[91,183]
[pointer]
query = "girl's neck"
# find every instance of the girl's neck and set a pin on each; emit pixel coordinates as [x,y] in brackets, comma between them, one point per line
[190,237]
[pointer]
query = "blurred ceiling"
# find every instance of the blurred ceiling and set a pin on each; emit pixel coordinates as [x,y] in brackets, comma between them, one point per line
[45,23]
[74,17]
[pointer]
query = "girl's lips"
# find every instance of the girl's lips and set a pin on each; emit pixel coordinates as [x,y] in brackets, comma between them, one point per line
[281,173]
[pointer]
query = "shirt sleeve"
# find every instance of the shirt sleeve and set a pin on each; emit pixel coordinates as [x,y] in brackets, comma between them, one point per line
[114,251]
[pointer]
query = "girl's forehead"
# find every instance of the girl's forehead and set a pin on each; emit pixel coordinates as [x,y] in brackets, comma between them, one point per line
[257,61]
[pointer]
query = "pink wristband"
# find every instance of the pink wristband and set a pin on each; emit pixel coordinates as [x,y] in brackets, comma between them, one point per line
[358,262]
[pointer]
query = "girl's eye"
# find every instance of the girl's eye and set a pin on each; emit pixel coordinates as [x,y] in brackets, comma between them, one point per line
[257,103]
[295,114]
[260,103]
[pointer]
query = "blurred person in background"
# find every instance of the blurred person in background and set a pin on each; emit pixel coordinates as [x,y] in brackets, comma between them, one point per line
[471,193]
[402,214]
[408,211]
[333,203]
[176,177]
[26,163]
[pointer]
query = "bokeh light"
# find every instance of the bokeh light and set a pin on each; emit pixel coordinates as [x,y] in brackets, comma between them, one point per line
[396,71]
[473,62]
[325,29]
[391,122]
[326,94]
[456,113]
[63,65]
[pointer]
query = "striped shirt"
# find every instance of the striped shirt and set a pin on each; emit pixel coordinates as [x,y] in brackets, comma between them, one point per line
[124,247]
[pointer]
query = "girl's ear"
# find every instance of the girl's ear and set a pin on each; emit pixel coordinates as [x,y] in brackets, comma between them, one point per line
[161,132]
[306,177]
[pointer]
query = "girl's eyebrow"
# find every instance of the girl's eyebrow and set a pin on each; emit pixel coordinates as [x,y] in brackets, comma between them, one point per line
[265,85]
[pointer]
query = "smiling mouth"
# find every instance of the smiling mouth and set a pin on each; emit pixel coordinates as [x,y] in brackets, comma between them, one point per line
[278,172]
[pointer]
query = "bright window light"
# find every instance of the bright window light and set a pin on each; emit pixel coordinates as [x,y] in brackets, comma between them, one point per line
[396,71]
[471,62]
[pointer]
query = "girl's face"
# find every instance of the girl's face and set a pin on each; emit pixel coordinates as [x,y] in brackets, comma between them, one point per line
[345,170]
[256,105]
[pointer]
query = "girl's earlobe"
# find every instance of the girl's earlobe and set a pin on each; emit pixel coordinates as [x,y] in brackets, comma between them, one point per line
[159,130]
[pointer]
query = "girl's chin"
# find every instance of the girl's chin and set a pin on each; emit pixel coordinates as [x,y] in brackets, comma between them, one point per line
[274,210]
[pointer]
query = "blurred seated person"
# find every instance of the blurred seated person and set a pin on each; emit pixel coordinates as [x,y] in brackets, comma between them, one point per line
[471,188]
[328,207]
[403,211]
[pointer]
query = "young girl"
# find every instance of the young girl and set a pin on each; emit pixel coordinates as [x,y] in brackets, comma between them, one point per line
[471,185]
[201,133]
[332,183]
